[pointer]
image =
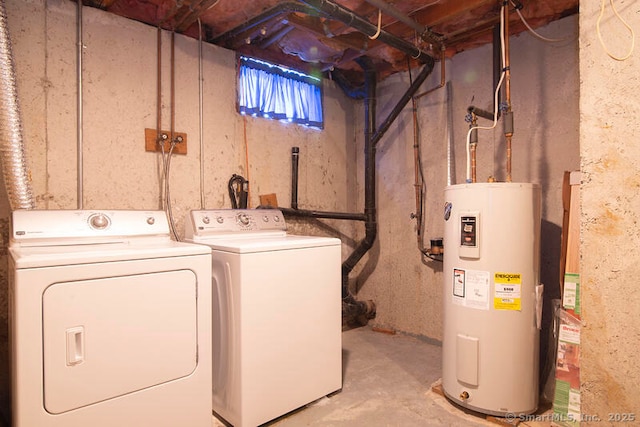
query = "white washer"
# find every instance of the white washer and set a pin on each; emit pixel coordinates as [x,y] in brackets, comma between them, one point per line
[110,321]
[277,325]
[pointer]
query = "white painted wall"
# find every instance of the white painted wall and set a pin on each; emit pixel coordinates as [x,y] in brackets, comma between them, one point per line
[120,81]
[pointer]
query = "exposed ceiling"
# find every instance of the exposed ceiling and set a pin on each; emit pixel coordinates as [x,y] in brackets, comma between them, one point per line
[315,36]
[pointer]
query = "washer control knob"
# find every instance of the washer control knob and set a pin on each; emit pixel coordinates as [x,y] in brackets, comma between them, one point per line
[276,218]
[265,218]
[243,219]
[206,220]
[151,220]
[99,221]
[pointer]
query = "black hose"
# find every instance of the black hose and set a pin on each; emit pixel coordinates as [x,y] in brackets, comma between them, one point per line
[295,155]
[238,191]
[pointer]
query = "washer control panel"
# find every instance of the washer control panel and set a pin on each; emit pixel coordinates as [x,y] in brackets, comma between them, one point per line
[223,221]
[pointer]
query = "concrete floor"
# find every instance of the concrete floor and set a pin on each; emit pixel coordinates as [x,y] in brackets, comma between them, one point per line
[387,381]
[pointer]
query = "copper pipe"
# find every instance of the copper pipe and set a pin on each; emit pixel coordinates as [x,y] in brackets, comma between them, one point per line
[159,86]
[507,77]
[418,183]
[173,83]
[442,75]
[507,70]
[472,148]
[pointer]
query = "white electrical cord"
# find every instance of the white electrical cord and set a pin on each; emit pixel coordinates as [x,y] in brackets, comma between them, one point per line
[541,37]
[375,36]
[633,36]
[495,97]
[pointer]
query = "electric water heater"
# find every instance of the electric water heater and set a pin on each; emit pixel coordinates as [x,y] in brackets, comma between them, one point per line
[492,297]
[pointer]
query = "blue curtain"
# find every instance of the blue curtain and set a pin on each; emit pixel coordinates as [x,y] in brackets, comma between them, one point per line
[270,91]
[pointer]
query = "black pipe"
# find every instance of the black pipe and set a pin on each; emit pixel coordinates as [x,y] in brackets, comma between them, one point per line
[347,17]
[332,11]
[426,70]
[497,64]
[346,86]
[371,225]
[497,71]
[481,113]
[295,154]
[323,214]
[354,311]
[279,9]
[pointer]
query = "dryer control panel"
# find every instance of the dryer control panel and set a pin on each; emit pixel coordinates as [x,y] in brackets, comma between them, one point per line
[234,221]
[53,227]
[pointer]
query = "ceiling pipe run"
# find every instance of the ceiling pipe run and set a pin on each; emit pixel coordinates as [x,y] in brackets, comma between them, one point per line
[279,9]
[330,10]
[422,30]
[355,311]
[346,16]
[360,311]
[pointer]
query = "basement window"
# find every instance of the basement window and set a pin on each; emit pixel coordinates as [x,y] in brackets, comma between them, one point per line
[278,93]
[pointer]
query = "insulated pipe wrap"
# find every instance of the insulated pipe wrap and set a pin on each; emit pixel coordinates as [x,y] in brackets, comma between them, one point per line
[14,165]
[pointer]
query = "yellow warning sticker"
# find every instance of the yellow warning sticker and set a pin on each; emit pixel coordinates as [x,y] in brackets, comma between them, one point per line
[507,291]
[507,278]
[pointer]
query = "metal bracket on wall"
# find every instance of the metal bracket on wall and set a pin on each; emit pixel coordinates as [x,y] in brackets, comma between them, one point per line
[151,141]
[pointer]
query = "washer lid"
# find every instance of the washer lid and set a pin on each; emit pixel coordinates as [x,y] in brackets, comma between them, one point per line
[269,243]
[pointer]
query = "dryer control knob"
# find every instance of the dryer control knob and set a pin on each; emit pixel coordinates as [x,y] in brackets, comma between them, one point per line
[206,220]
[151,220]
[243,219]
[220,220]
[99,221]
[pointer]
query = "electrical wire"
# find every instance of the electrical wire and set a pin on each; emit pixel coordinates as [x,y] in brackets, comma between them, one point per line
[173,139]
[495,98]
[633,37]
[536,34]
[375,36]
[166,162]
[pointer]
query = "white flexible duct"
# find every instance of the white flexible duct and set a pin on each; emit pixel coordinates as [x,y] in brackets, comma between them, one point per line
[14,165]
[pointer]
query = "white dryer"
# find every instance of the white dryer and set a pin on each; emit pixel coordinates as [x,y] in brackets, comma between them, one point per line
[110,321]
[277,325]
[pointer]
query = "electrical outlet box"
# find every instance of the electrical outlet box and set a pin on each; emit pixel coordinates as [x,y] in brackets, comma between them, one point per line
[151,141]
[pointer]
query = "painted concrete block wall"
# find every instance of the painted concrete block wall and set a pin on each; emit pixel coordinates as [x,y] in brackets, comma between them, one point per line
[120,81]
[609,109]
[408,288]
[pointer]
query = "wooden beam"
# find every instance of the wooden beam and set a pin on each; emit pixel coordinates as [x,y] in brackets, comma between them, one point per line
[449,11]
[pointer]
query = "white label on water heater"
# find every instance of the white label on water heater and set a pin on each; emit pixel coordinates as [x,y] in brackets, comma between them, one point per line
[471,288]
[469,235]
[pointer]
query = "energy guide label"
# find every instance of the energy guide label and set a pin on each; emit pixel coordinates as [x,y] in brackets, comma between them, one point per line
[507,291]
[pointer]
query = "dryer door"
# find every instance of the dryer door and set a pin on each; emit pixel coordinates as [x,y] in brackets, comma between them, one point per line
[108,337]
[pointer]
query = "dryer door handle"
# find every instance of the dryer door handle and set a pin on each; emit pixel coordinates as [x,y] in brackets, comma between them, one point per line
[75,345]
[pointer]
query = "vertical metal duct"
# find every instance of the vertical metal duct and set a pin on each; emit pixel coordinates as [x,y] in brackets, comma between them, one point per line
[16,176]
